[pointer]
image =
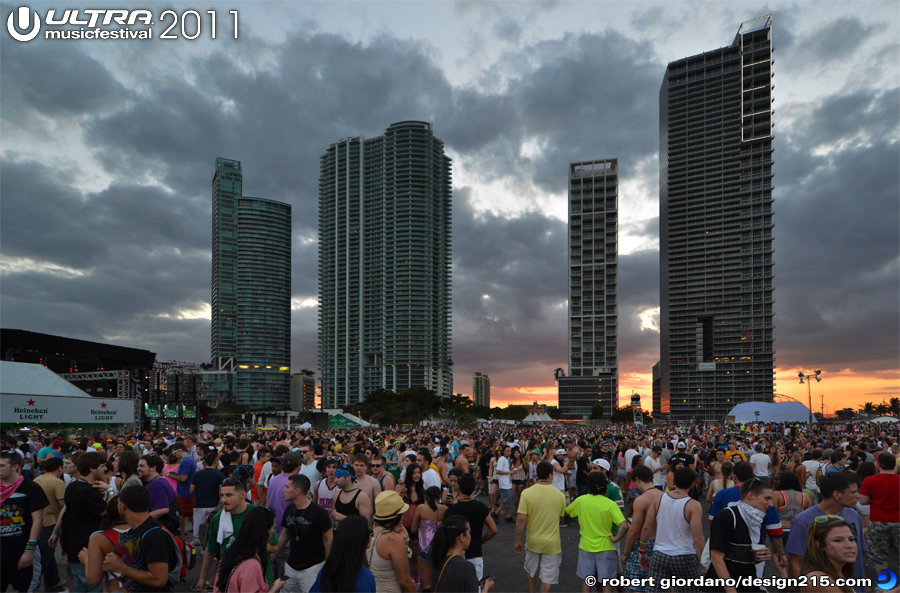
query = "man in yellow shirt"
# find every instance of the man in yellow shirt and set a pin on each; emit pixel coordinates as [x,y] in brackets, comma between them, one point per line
[540,508]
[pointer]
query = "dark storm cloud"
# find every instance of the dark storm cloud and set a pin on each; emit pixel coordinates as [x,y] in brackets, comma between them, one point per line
[120,260]
[839,38]
[39,78]
[837,239]
[581,97]
[518,262]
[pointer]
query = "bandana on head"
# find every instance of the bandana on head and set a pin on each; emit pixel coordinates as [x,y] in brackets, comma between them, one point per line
[342,473]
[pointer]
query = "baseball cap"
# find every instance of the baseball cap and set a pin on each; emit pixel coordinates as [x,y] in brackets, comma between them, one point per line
[601,463]
[560,451]
[682,446]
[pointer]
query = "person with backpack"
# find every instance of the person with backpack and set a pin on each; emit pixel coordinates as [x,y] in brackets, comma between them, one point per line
[101,543]
[146,556]
[734,533]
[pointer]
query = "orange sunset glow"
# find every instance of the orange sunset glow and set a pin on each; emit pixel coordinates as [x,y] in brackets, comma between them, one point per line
[842,389]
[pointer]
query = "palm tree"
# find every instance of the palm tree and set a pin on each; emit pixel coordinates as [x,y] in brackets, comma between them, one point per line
[882,409]
[868,408]
[895,406]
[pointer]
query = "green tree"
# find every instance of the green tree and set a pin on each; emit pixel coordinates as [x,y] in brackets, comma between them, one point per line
[895,406]
[626,414]
[598,411]
[511,412]
[868,408]
[555,413]
[388,408]
[481,412]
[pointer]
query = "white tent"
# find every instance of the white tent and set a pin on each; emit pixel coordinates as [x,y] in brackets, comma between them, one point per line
[885,419]
[18,378]
[33,394]
[778,412]
[537,418]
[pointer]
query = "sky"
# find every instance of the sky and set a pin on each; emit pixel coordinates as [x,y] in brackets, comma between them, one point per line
[107,149]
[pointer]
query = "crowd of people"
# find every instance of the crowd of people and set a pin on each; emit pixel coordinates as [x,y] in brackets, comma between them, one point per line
[413,509]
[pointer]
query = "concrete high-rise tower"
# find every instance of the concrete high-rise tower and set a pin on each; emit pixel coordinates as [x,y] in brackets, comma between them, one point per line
[384,265]
[593,290]
[715,212]
[481,390]
[251,290]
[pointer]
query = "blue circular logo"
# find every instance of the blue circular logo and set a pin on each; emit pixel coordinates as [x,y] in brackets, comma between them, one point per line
[887,579]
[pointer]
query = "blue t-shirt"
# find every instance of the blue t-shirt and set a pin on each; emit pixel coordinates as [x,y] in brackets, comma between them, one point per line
[187,467]
[801,524]
[365,582]
[206,488]
[727,497]
[47,452]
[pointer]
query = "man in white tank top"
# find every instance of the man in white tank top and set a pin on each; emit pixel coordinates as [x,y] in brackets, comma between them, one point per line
[675,521]
[326,490]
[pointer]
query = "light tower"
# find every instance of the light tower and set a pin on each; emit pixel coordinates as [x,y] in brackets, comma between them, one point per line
[809,377]
[637,415]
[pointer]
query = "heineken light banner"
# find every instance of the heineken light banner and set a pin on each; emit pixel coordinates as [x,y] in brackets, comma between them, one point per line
[39,409]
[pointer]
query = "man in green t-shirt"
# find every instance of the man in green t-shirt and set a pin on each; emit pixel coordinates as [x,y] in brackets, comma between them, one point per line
[234,502]
[613,492]
[598,518]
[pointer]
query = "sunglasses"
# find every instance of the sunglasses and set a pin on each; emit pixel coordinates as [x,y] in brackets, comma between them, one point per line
[825,519]
[231,482]
[377,465]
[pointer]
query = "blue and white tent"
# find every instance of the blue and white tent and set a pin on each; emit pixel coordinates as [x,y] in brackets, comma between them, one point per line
[778,412]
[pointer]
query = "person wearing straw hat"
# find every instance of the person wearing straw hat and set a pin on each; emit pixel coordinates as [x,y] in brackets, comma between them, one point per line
[388,557]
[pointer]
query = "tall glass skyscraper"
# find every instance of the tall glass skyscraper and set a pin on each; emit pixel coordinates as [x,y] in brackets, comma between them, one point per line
[715,212]
[593,290]
[251,290]
[384,265]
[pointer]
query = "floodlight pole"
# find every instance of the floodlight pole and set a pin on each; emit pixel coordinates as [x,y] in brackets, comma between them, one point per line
[809,376]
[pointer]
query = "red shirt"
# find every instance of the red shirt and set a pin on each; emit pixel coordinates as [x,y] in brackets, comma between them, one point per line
[884,492]
[257,470]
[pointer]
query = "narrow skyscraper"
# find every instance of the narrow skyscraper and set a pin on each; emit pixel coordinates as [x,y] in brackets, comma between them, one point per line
[251,290]
[715,213]
[384,265]
[593,292]
[481,390]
